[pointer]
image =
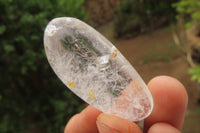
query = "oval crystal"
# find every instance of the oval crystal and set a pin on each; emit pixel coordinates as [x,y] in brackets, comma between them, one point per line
[95,70]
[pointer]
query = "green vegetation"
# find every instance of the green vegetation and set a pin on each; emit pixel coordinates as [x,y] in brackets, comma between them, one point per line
[135,16]
[31,94]
[189,10]
[189,15]
[195,76]
[195,73]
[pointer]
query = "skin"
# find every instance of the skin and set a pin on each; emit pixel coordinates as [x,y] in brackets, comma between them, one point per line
[170,103]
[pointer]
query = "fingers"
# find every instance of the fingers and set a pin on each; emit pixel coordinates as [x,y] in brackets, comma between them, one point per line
[170,102]
[85,122]
[163,128]
[112,124]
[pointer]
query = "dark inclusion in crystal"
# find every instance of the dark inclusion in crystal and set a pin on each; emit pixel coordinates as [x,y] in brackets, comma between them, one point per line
[85,55]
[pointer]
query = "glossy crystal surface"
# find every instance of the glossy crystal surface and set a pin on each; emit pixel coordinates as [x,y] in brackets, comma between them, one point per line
[95,70]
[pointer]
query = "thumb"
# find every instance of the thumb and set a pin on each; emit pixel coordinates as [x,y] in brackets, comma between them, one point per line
[112,124]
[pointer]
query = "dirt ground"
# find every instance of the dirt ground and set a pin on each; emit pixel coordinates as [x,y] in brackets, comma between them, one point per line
[154,54]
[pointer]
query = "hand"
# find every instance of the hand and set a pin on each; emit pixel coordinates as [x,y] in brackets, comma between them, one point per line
[170,102]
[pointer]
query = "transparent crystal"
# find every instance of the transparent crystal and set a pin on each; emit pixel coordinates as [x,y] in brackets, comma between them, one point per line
[95,70]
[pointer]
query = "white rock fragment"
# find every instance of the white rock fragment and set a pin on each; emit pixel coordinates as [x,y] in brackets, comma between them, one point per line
[91,67]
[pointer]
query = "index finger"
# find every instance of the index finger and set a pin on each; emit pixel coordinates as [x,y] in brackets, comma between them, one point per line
[170,102]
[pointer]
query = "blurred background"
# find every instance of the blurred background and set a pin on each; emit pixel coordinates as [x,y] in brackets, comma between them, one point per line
[158,37]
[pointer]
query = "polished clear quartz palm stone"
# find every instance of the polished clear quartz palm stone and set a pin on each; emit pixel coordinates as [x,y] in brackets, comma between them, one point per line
[95,70]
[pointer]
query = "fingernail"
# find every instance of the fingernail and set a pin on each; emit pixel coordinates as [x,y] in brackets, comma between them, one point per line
[105,129]
[113,124]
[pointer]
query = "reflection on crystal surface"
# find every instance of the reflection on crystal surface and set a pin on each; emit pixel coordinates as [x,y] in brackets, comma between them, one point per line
[95,70]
